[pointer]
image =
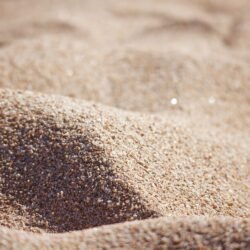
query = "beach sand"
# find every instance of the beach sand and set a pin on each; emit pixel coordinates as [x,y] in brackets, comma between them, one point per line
[124,124]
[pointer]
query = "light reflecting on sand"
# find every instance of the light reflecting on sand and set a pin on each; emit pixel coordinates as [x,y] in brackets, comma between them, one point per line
[174,101]
[211,100]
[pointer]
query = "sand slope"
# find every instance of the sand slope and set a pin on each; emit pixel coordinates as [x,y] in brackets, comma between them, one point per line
[131,112]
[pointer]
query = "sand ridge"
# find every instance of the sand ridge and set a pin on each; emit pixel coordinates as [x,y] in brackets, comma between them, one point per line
[134,113]
[164,233]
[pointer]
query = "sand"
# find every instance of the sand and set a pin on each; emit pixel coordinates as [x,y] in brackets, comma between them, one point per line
[124,124]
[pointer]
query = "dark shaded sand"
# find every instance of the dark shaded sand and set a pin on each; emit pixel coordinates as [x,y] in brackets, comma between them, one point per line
[129,112]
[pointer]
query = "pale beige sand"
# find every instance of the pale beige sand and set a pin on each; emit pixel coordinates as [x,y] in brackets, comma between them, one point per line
[143,112]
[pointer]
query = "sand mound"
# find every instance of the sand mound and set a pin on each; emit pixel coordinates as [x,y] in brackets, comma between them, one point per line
[55,170]
[113,112]
[69,165]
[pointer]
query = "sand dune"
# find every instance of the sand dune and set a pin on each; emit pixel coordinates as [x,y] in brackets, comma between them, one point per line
[131,112]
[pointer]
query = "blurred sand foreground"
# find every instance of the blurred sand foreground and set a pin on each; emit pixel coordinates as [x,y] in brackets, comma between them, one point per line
[126,122]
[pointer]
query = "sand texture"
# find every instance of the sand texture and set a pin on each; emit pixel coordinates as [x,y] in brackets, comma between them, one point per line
[125,124]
